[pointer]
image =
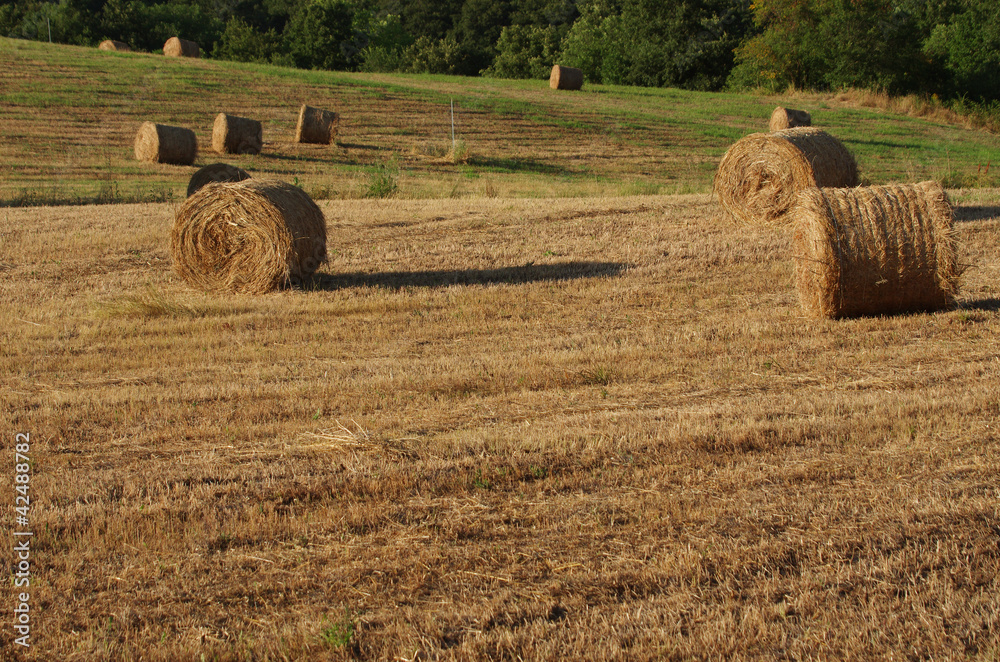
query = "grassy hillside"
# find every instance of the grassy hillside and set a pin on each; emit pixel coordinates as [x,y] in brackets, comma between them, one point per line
[68,117]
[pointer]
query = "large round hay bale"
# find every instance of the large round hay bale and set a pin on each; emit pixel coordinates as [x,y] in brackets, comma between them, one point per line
[565,78]
[216,172]
[237,135]
[316,126]
[177,47]
[112,45]
[759,176]
[786,118]
[874,250]
[249,237]
[159,143]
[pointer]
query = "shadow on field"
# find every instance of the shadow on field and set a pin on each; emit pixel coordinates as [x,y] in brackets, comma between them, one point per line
[991,305]
[976,213]
[528,273]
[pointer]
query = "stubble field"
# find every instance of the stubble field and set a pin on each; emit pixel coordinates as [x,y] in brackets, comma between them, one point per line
[499,429]
[494,427]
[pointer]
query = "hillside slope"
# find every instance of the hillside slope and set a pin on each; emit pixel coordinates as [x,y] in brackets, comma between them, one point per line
[68,117]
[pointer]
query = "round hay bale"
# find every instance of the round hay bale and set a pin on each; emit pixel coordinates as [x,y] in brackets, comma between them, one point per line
[216,172]
[177,47]
[112,45]
[249,237]
[874,250]
[237,135]
[565,78]
[316,126]
[760,174]
[786,118]
[159,143]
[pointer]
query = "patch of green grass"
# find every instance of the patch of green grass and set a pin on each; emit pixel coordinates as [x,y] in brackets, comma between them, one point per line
[383,179]
[341,632]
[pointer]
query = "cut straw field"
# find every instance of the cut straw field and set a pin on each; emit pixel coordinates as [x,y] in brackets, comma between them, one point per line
[498,429]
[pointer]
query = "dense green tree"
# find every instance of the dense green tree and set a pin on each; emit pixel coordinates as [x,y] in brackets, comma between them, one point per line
[525,51]
[968,46]
[653,43]
[318,34]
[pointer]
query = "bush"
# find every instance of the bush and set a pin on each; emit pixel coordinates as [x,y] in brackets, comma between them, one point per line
[241,42]
[525,51]
[430,56]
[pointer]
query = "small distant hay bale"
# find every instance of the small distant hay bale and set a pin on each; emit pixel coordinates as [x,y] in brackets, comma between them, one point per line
[786,118]
[112,45]
[316,126]
[565,78]
[249,237]
[760,174]
[874,250]
[214,173]
[177,47]
[159,143]
[237,135]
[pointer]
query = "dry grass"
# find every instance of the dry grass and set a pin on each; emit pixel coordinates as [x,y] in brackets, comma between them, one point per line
[499,429]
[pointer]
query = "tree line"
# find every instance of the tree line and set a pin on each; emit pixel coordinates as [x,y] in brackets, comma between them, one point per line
[949,48]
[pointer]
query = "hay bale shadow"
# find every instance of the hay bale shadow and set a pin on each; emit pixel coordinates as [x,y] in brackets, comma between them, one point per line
[976,213]
[989,305]
[528,273]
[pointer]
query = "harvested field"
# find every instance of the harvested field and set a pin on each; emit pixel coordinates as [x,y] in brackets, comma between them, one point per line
[498,429]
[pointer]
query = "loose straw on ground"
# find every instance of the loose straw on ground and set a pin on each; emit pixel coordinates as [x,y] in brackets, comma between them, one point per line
[874,250]
[237,135]
[216,172]
[760,174]
[249,237]
[159,143]
[316,126]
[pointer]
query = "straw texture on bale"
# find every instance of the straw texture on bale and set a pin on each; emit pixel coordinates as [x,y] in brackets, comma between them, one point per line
[786,118]
[874,250]
[177,47]
[760,174]
[216,172]
[237,135]
[112,45]
[565,78]
[316,126]
[159,143]
[249,237]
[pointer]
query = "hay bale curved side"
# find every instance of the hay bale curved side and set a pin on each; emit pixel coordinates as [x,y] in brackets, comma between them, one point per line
[177,47]
[760,174]
[316,125]
[565,78]
[112,45]
[159,143]
[237,135]
[249,237]
[216,172]
[874,250]
[787,118]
